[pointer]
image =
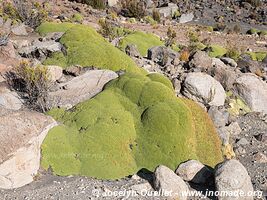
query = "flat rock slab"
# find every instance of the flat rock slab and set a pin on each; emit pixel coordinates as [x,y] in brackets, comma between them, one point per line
[80,88]
[21,136]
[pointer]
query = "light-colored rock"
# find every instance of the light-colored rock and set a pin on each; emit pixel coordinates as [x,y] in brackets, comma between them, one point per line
[81,88]
[219,116]
[166,180]
[204,89]
[19,30]
[195,172]
[20,43]
[253,91]
[55,72]
[8,58]
[234,129]
[232,176]
[112,2]
[9,100]
[169,10]
[260,158]
[21,136]
[40,49]
[201,60]
[186,18]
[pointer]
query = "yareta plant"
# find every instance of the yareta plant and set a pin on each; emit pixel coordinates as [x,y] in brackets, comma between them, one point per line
[136,122]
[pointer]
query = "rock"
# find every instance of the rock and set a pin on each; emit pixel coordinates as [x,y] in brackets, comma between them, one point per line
[229,61]
[186,18]
[161,55]
[260,158]
[1,21]
[40,50]
[20,140]
[218,116]
[201,60]
[19,30]
[224,135]
[131,50]
[9,100]
[177,85]
[169,10]
[55,72]
[247,65]
[253,91]
[242,142]
[166,180]
[80,88]
[195,172]
[234,129]
[20,43]
[204,89]
[223,73]
[53,36]
[74,70]
[112,2]
[8,58]
[232,176]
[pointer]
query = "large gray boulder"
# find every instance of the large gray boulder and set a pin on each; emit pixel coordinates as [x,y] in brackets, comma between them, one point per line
[204,89]
[21,136]
[19,30]
[232,177]
[253,91]
[166,180]
[80,88]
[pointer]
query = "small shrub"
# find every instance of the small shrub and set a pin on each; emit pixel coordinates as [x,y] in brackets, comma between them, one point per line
[209,28]
[253,31]
[156,15]
[237,29]
[110,30]
[150,20]
[233,51]
[33,83]
[194,41]
[133,8]
[176,14]
[184,56]
[98,4]
[171,35]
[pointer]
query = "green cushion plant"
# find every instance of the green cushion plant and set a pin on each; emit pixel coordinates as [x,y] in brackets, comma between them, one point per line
[85,47]
[142,40]
[136,122]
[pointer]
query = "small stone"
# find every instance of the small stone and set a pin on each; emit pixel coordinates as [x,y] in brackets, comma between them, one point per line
[234,129]
[141,187]
[243,142]
[260,158]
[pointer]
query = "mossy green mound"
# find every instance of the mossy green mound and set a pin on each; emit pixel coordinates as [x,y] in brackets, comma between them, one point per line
[142,40]
[85,47]
[257,56]
[136,122]
[217,51]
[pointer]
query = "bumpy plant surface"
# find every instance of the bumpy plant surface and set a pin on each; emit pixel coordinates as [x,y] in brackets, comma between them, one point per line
[85,47]
[142,40]
[136,122]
